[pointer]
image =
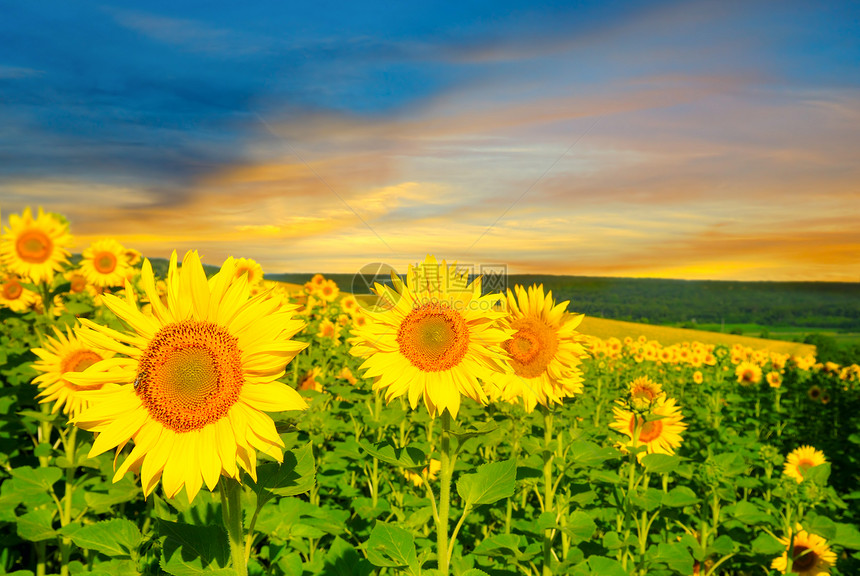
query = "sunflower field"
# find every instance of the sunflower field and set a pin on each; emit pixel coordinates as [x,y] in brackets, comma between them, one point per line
[216,424]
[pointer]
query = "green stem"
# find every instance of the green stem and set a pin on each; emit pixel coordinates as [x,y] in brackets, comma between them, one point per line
[548,505]
[231,511]
[447,460]
[66,516]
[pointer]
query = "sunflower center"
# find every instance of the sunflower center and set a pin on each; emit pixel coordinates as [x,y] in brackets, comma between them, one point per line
[79,283]
[190,375]
[801,559]
[532,347]
[104,262]
[433,337]
[12,290]
[648,431]
[34,246]
[78,361]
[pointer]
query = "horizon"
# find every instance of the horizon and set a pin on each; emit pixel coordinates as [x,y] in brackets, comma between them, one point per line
[668,140]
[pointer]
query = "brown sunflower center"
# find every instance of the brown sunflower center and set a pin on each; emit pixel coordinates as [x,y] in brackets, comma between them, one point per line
[190,375]
[34,246]
[748,375]
[78,284]
[104,262]
[433,337]
[648,431]
[78,361]
[803,465]
[12,290]
[532,347]
[803,558]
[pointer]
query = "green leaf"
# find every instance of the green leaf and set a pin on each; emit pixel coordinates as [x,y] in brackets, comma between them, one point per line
[767,545]
[407,457]
[749,513]
[116,538]
[585,453]
[37,525]
[43,450]
[647,499]
[392,547]
[123,491]
[34,480]
[40,416]
[660,463]
[821,525]
[492,482]
[464,433]
[602,566]
[474,572]
[730,463]
[295,475]
[194,550]
[343,560]
[115,568]
[291,564]
[680,496]
[675,556]
[722,546]
[818,474]
[579,526]
[847,536]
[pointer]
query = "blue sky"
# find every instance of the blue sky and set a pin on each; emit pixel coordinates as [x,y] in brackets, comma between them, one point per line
[670,139]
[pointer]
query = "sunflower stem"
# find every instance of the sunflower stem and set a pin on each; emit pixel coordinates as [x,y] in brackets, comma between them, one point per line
[231,511]
[445,473]
[66,517]
[548,506]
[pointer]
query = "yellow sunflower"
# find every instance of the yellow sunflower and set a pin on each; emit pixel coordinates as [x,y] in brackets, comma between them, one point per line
[104,264]
[57,357]
[193,380]
[748,373]
[14,296]
[434,338]
[660,436]
[544,352]
[810,554]
[802,459]
[77,281]
[774,379]
[35,248]
[644,392]
[249,268]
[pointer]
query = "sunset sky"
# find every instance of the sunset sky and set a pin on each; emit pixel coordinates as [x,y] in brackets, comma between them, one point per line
[696,140]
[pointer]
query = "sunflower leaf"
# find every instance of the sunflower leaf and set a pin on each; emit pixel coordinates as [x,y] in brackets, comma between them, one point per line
[295,475]
[116,538]
[408,457]
[194,550]
[660,463]
[492,482]
[37,525]
[393,547]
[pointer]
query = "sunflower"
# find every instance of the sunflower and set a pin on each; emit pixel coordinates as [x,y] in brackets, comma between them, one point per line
[104,264]
[659,436]
[327,291]
[77,281]
[774,379]
[329,329]
[697,377]
[194,379]
[57,357]
[810,554]
[14,296]
[748,373]
[644,392]
[814,393]
[802,459]
[249,268]
[434,338]
[35,248]
[544,352]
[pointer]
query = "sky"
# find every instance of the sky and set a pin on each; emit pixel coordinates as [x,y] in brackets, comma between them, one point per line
[694,140]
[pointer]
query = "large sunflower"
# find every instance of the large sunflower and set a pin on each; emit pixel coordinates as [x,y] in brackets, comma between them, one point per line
[658,436]
[810,554]
[433,337]
[544,352]
[14,296]
[35,248]
[195,379]
[105,263]
[802,459]
[57,357]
